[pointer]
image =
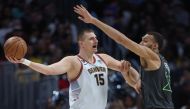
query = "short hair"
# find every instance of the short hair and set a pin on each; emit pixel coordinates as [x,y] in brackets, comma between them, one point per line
[159,38]
[82,31]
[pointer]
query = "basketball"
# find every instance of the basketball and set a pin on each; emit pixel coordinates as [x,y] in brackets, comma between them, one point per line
[15,47]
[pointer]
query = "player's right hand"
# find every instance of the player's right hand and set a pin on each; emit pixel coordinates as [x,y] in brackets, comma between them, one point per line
[84,15]
[14,60]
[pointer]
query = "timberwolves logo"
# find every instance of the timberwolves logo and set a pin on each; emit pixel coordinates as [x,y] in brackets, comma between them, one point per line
[167,86]
[167,67]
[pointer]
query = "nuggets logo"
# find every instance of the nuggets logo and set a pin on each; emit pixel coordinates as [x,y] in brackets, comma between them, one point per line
[96,69]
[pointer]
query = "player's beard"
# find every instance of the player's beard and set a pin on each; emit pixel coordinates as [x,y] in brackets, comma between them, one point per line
[150,46]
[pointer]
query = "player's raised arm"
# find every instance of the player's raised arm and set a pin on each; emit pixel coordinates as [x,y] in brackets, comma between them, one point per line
[120,38]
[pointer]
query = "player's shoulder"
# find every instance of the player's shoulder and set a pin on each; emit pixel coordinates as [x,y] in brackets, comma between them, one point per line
[73,58]
[101,54]
[104,57]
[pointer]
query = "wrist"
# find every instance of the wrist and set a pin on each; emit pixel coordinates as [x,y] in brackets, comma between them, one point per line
[26,62]
[138,80]
[93,21]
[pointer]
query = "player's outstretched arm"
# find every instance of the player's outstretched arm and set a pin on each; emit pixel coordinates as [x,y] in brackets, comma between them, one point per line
[131,76]
[60,67]
[120,38]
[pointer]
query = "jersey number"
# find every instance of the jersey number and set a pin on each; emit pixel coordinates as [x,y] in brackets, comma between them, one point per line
[99,79]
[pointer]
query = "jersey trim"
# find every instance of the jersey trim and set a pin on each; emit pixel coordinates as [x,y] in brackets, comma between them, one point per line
[78,73]
[101,59]
[94,59]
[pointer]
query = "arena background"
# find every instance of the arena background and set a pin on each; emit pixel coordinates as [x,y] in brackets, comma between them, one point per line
[50,29]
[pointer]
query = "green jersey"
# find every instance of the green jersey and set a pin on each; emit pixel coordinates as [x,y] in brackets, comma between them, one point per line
[156,88]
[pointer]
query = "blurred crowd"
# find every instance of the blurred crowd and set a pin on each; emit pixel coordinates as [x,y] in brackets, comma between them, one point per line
[50,29]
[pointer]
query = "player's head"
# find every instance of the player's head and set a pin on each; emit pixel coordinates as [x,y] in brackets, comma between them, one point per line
[87,40]
[153,40]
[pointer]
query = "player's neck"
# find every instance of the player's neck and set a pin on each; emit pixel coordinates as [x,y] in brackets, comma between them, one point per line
[156,51]
[87,56]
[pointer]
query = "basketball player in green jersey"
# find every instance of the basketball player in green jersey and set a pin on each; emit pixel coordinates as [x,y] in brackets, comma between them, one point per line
[155,72]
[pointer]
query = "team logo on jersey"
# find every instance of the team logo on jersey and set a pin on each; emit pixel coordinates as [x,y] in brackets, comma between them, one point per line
[167,67]
[99,61]
[167,86]
[96,69]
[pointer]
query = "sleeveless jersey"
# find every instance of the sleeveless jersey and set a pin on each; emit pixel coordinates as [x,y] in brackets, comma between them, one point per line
[89,90]
[156,89]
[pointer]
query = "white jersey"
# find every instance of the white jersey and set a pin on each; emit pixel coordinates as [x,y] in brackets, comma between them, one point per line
[90,89]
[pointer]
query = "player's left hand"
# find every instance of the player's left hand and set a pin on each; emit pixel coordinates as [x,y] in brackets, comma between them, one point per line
[137,86]
[125,66]
[131,78]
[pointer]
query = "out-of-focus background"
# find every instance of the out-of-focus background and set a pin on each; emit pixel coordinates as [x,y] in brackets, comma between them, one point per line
[50,29]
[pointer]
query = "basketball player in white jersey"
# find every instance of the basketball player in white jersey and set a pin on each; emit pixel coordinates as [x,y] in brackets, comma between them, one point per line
[87,73]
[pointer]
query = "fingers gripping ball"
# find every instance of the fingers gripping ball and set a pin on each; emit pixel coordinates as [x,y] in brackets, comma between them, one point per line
[15,47]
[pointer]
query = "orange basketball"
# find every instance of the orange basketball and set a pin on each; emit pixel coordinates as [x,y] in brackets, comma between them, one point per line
[15,47]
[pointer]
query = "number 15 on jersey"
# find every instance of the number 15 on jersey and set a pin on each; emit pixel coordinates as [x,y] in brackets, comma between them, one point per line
[99,79]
